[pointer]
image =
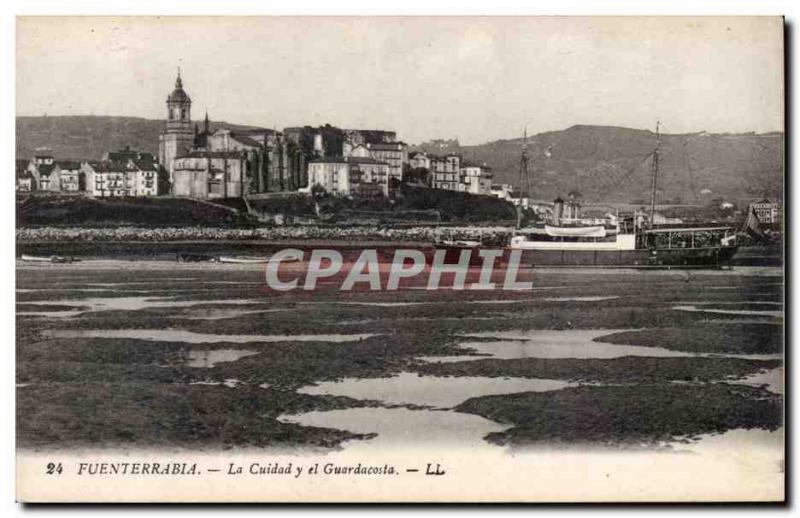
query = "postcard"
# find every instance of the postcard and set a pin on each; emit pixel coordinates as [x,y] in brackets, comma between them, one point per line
[399,259]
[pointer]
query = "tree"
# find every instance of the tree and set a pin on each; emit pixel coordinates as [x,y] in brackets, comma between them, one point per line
[417,175]
[164,186]
[318,191]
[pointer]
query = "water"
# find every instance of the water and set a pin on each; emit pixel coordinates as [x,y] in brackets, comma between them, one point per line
[382,304]
[230,383]
[424,430]
[549,344]
[771,380]
[221,314]
[207,359]
[753,312]
[413,389]
[97,304]
[181,335]
[579,299]
[50,314]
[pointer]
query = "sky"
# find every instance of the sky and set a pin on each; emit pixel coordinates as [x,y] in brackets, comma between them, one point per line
[477,79]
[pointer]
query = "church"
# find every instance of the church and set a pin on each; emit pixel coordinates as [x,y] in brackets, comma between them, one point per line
[226,162]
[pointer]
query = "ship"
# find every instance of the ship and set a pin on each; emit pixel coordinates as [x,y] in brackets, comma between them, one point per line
[568,238]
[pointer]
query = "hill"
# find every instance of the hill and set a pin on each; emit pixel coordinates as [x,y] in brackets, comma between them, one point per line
[603,163]
[90,137]
[611,164]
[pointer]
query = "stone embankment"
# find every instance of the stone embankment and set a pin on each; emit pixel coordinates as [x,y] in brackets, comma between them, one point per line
[284,233]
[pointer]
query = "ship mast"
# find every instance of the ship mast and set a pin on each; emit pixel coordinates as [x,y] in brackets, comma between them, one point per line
[654,168]
[524,181]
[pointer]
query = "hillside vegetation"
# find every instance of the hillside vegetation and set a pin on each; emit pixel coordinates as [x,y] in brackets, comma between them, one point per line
[90,137]
[609,164]
[73,211]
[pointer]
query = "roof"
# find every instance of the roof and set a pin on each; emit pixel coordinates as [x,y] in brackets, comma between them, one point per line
[390,146]
[374,136]
[45,168]
[68,164]
[111,166]
[242,139]
[145,165]
[364,160]
[20,164]
[179,95]
[23,174]
[213,154]
[257,131]
[329,160]
[347,160]
[440,158]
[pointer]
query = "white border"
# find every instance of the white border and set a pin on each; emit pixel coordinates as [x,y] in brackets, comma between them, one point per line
[12,8]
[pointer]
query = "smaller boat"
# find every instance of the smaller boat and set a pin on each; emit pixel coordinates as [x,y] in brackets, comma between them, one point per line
[243,260]
[194,258]
[51,259]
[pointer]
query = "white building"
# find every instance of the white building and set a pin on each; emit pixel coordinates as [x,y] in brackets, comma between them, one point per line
[352,175]
[120,178]
[476,179]
[392,153]
[446,172]
[67,177]
[502,190]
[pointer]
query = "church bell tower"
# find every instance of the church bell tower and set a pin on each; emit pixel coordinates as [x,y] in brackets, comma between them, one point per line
[177,140]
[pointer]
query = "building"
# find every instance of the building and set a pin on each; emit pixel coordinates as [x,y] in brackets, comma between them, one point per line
[364,137]
[502,190]
[178,137]
[209,174]
[393,153]
[238,163]
[226,162]
[145,176]
[321,142]
[476,179]
[118,178]
[45,173]
[67,176]
[105,179]
[446,172]
[362,176]
[41,168]
[419,160]
[123,155]
[25,181]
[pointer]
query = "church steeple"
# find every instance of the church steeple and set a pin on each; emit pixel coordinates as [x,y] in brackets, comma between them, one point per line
[179,105]
[177,140]
[206,124]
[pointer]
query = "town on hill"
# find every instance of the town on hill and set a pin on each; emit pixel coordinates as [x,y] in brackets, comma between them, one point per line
[118,157]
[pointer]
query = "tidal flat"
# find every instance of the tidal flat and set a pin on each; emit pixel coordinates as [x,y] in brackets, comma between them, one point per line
[90,372]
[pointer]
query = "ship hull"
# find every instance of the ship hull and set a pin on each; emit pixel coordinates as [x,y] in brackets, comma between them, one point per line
[716,257]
